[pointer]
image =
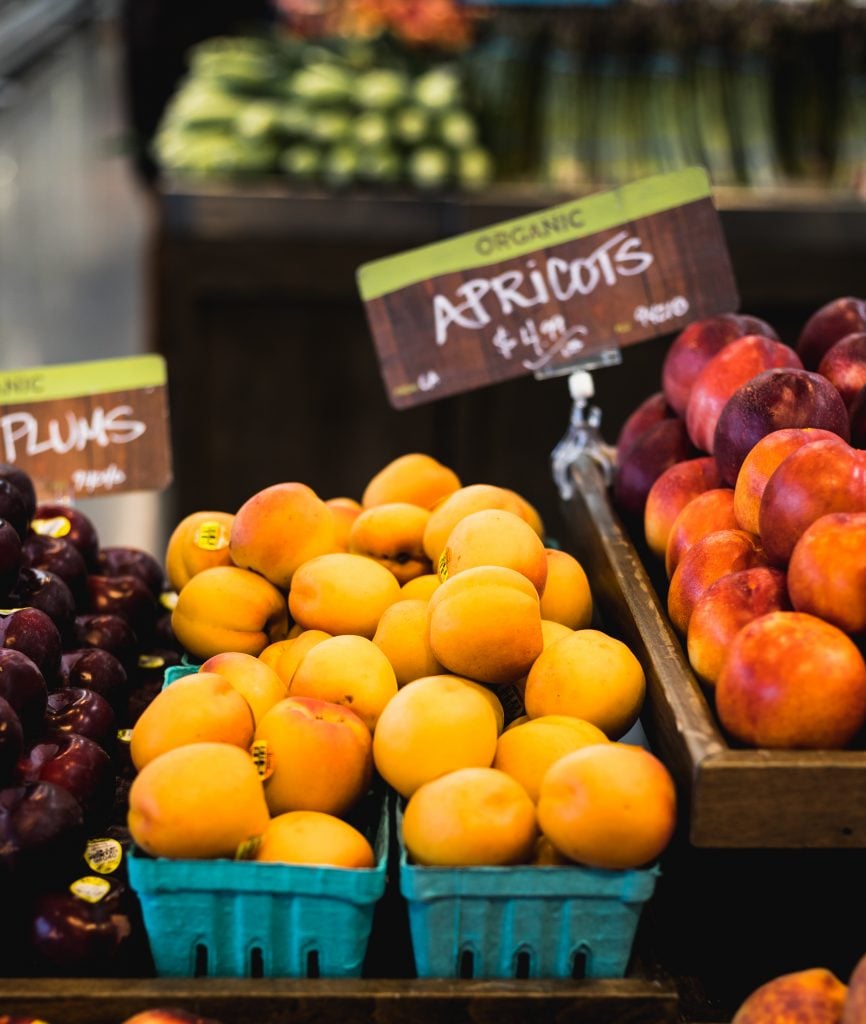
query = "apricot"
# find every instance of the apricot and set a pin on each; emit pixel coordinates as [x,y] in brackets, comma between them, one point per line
[197,801]
[199,541]
[526,751]
[706,561]
[392,535]
[588,675]
[472,816]
[229,609]
[490,633]
[203,707]
[812,996]
[403,638]
[342,593]
[827,570]
[705,514]
[494,537]
[792,680]
[285,655]
[608,805]
[320,756]
[255,681]
[414,478]
[420,588]
[434,725]
[472,498]
[669,495]
[481,576]
[345,511]
[760,464]
[312,837]
[349,670]
[280,528]
[566,597]
[724,608]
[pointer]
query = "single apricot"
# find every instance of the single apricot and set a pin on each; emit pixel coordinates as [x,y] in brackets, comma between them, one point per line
[566,597]
[312,837]
[203,707]
[608,805]
[472,816]
[229,609]
[589,675]
[342,593]
[472,498]
[197,801]
[392,534]
[415,478]
[349,670]
[494,537]
[481,576]
[280,528]
[199,541]
[255,681]
[346,511]
[434,725]
[421,587]
[403,638]
[285,655]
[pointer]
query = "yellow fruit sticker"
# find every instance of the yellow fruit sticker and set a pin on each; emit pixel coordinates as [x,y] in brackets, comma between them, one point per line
[249,848]
[442,566]
[103,855]
[124,735]
[151,661]
[56,526]
[168,600]
[263,759]
[211,536]
[90,888]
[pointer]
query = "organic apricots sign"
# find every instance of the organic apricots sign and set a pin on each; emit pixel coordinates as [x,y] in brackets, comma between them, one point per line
[547,291]
[89,428]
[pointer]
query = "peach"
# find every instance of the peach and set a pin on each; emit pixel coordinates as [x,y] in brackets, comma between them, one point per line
[490,633]
[643,463]
[473,816]
[313,837]
[320,756]
[811,996]
[285,655]
[844,365]
[760,464]
[434,725]
[735,364]
[608,805]
[827,325]
[792,680]
[705,514]
[199,541]
[588,675]
[197,708]
[472,498]
[420,588]
[414,478]
[724,608]
[857,419]
[819,478]
[342,593]
[229,609]
[392,535]
[254,680]
[197,801]
[403,638]
[669,495]
[711,558]
[650,411]
[526,751]
[566,597]
[696,345]
[494,537]
[827,570]
[349,670]
[770,401]
[280,528]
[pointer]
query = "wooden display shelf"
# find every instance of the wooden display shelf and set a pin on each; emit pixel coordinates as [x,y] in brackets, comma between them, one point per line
[737,798]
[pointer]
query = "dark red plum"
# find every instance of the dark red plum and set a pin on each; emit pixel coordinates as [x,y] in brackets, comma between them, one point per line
[58,520]
[11,741]
[41,829]
[85,712]
[13,508]
[111,633]
[22,483]
[828,325]
[23,685]
[126,561]
[32,632]
[10,557]
[76,763]
[125,596]
[95,669]
[56,555]
[50,594]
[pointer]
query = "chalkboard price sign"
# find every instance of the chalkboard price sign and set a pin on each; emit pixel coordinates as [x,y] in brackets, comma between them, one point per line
[89,428]
[547,291]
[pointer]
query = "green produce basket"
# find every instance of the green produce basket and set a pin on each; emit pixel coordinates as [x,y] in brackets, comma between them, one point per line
[527,921]
[233,919]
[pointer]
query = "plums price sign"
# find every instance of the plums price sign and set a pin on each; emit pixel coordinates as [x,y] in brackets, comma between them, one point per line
[549,291]
[88,428]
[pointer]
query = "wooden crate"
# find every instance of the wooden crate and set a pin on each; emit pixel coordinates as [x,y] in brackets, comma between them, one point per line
[737,798]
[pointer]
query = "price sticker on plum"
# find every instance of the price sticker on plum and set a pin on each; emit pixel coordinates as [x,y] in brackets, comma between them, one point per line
[87,429]
[549,291]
